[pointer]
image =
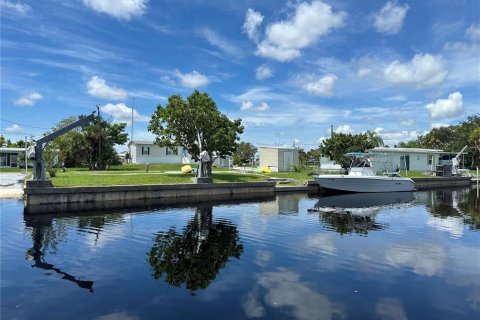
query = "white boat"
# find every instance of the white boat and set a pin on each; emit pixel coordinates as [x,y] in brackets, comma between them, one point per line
[363,178]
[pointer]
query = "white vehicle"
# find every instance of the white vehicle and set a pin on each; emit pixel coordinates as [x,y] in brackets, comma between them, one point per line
[363,178]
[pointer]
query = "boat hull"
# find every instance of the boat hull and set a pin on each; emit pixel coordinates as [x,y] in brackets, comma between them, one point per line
[342,183]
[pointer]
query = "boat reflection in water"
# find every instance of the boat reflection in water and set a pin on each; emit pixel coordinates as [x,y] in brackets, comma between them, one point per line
[347,213]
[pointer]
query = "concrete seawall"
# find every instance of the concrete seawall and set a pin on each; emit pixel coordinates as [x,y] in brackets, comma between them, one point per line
[74,199]
[439,182]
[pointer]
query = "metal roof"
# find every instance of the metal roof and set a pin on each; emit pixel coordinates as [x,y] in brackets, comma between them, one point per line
[5,149]
[405,150]
[283,148]
[141,142]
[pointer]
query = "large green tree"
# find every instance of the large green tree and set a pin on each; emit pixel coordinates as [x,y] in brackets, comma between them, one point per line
[409,144]
[73,148]
[244,153]
[101,137]
[314,154]
[337,146]
[92,144]
[180,122]
[453,138]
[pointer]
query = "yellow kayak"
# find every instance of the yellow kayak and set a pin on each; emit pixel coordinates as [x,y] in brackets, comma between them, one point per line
[266,170]
[186,169]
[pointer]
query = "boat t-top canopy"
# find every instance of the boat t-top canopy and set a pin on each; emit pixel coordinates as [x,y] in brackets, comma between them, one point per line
[355,154]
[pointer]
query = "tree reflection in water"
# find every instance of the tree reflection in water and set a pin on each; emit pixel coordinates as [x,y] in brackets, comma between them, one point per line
[194,257]
[461,203]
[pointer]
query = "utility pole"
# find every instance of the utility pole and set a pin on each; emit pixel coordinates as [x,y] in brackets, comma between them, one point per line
[26,157]
[331,132]
[99,138]
[133,106]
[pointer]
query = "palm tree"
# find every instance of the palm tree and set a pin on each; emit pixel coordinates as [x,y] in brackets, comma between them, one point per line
[474,138]
[474,141]
[375,138]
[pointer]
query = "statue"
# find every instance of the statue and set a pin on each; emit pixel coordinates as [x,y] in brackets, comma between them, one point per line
[203,166]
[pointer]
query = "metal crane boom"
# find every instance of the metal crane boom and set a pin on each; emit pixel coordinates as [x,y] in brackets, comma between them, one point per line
[39,170]
[456,162]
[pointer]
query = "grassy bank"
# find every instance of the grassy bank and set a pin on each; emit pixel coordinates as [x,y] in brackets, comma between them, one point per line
[170,174]
[19,170]
[136,175]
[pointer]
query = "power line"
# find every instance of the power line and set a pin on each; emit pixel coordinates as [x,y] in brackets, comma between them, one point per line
[17,133]
[25,125]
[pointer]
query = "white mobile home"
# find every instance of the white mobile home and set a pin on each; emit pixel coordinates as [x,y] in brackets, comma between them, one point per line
[9,157]
[417,159]
[278,159]
[146,151]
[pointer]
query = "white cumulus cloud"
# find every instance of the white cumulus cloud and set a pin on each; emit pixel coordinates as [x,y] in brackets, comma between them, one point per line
[407,123]
[253,20]
[121,113]
[263,72]
[393,138]
[98,87]
[390,18]
[29,99]
[473,32]
[14,128]
[363,72]
[266,49]
[249,106]
[17,7]
[193,79]
[284,39]
[422,71]
[439,125]
[320,87]
[396,98]
[345,128]
[120,9]
[446,108]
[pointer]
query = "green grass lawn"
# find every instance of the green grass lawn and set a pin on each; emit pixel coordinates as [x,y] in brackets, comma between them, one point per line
[162,174]
[168,174]
[13,169]
[298,176]
[136,175]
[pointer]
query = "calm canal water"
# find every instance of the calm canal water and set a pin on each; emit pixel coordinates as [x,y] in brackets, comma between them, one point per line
[397,256]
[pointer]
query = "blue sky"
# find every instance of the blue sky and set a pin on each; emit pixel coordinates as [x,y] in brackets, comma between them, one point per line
[289,69]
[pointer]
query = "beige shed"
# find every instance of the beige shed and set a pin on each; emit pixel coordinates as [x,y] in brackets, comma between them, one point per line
[278,159]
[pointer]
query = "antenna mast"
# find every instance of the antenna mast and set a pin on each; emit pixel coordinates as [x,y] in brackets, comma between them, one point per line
[133,106]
